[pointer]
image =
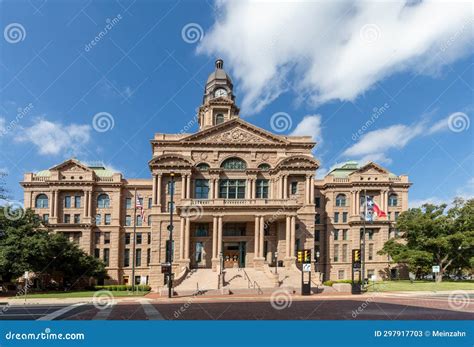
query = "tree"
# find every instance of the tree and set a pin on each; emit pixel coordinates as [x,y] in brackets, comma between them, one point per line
[27,246]
[432,235]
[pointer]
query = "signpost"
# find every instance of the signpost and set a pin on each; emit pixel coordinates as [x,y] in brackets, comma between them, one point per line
[436,269]
[304,258]
[356,272]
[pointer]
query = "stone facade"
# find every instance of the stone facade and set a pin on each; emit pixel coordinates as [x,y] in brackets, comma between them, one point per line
[240,193]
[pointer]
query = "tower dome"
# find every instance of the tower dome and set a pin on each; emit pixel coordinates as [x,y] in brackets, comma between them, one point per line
[219,74]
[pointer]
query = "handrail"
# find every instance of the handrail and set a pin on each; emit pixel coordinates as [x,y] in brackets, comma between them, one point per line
[252,284]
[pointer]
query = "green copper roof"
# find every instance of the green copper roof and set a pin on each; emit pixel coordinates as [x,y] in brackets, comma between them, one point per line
[43,173]
[343,170]
[100,171]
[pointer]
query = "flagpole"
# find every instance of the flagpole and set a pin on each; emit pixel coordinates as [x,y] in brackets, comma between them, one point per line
[134,239]
[363,239]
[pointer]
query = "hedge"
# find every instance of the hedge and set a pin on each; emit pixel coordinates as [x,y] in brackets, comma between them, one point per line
[123,287]
[330,283]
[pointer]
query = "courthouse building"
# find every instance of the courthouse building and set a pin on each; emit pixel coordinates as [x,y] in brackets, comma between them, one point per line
[241,193]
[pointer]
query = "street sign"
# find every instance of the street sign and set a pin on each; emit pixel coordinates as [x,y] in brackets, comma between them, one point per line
[165,267]
[436,269]
[307,267]
[26,275]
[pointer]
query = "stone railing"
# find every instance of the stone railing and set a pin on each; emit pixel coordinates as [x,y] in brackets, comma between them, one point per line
[40,178]
[239,202]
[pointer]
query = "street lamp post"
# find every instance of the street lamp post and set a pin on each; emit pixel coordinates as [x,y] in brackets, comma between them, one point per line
[317,254]
[170,246]
[276,263]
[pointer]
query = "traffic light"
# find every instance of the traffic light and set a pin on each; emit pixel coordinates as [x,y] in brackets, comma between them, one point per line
[307,256]
[300,256]
[356,255]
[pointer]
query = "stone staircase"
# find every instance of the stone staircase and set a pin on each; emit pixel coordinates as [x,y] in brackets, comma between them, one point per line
[199,281]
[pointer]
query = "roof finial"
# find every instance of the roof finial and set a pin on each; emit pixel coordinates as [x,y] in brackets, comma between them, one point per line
[219,63]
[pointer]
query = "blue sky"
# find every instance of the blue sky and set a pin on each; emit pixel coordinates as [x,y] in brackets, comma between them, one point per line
[367,82]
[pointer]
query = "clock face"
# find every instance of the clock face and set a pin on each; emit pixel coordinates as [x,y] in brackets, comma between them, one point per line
[220,92]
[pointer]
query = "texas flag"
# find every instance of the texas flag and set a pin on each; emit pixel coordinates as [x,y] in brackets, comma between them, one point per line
[372,210]
[139,207]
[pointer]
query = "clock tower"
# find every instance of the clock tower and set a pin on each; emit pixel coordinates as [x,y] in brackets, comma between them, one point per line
[219,101]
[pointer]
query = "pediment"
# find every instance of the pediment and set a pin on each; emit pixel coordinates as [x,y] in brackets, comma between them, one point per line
[299,162]
[170,160]
[235,131]
[371,169]
[71,165]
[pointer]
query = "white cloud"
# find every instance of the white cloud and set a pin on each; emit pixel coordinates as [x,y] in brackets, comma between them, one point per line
[432,200]
[333,49]
[310,125]
[56,138]
[377,142]
[465,192]
[2,125]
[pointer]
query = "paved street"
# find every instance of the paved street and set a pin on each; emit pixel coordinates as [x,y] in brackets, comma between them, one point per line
[386,307]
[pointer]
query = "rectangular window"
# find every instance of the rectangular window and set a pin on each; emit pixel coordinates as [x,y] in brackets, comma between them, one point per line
[317,218]
[127,238]
[232,189]
[128,220]
[137,280]
[262,189]
[46,218]
[141,201]
[106,237]
[344,217]
[139,221]
[344,253]
[126,257]
[294,188]
[106,256]
[107,219]
[77,218]
[344,235]
[234,229]
[336,217]
[336,253]
[201,189]
[150,202]
[97,237]
[371,234]
[139,238]
[148,221]
[97,252]
[371,251]
[317,202]
[67,201]
[170,206]
[128,203]
[138,257]
[148,256]
[67,218]
[202,230]
[317,235]
[149,238]
[340,275]
[336,235]
[396,215]
[77,201]
[98,219]
[389,215]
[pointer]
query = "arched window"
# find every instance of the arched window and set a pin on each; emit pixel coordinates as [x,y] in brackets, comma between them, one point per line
[234,164]
[393,200]
[103,201]
[264,167]
[202,167]
[219,119]
[341,200]
[41,201]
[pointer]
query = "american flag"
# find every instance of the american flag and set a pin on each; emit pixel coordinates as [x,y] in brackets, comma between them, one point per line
[139,207]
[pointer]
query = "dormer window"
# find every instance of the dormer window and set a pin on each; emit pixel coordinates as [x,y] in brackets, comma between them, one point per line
[219,119]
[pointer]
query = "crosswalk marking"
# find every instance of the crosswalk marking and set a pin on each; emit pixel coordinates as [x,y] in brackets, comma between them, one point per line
[151,312]
[105,313]
[60,312]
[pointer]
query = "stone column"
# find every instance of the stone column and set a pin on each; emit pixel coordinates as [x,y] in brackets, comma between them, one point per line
[187,239]
[307,193]
[188,186]
[293,235]
[181,238]
[158,190]
[215,256]
[249,188]
[254,188]
[219,235]
[285,187]
[56,204]
[183,186]
[154,187]
[288,237]
[211,194]
[51,204]
[311,190]
[256,239]
[270,188]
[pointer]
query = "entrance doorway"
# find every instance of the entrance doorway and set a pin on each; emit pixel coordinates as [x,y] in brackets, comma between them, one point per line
[234,254]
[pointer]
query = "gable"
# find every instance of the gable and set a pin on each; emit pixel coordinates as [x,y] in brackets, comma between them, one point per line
[71,165]
[371,169]
[235,131]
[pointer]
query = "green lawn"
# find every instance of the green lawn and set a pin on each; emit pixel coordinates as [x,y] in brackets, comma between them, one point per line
[79,294]
[389,286]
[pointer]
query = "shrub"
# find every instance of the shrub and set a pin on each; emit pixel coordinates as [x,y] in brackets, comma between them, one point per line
[123,287]
[330,282]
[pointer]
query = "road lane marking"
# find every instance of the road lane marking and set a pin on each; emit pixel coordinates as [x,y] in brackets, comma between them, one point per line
[151,312]
[60,312]
[104,313]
